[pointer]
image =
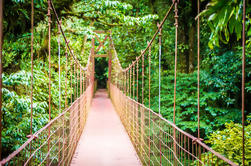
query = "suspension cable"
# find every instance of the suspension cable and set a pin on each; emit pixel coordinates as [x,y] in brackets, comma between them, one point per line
[61,29]
[156,33]
[153,38]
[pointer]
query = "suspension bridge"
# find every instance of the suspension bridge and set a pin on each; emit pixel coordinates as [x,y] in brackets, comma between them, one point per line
[113,126]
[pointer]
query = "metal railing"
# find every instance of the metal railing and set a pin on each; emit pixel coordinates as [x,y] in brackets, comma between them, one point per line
[157,140]
[58,147]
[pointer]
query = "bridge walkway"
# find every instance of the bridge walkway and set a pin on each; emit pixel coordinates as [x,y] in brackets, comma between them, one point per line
[104,141]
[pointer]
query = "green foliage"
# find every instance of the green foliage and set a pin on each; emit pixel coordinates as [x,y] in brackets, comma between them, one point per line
[16,103]
[101,72]
[16,110]
[132,24]
[16,59]
[224,74]
[225,19]
[229,142]
[213,106]
[109,13]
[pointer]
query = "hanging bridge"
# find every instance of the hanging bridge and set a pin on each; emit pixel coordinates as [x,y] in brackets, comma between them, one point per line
[115,126]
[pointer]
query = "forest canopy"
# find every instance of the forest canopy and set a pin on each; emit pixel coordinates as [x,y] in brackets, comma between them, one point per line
[132,24]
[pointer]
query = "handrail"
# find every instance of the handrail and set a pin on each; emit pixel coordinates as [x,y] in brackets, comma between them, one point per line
[36,134]
[120,100]
[185,133]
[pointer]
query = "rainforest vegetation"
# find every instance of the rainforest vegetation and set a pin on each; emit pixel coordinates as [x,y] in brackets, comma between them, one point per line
[132,24]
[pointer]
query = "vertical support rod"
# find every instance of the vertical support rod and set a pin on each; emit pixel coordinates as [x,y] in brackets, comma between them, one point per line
[1,71]
[137,79]
[49,51]
[130,71]
[198,73]
[92,59]
[66,71]
[160,35]
[175,73]
[128,80]
[75,90]
[137,96]
[32,40]
[77,77]
[143,70]
[133,81]
[198,70]
[176,54]
[149,80]
[80,81]
[59,70]
[83,81]
[125,89]
[71,78]
[109,61]
[149,100]
[243,82]
[123,81]
[126,83]
[133,97]
[59,88]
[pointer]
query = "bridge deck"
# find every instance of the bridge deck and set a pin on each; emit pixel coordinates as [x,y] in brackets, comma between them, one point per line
[104,141]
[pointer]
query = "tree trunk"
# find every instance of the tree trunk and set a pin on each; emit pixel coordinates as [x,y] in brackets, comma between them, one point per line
[185,38]
[191,37]
[191,48]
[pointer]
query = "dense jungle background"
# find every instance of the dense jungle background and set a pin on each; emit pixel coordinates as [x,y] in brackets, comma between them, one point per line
[132,24]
